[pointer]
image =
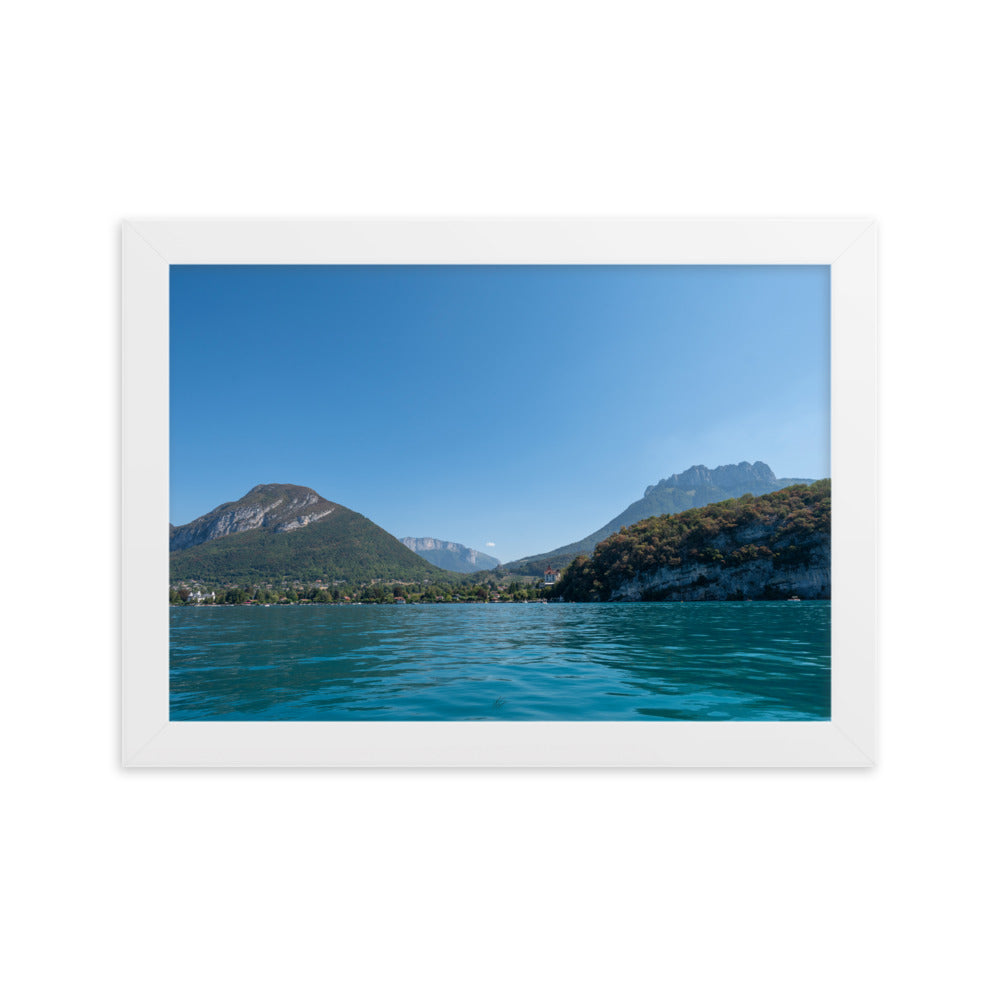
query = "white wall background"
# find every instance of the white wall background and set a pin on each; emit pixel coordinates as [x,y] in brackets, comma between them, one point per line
[717,884]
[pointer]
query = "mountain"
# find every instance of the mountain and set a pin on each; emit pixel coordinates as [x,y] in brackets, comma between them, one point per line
[280,532]
[450,555]
[773,546]
[694,487]
[275,507]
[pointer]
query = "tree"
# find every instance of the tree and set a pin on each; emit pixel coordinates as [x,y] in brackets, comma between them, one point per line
[374,593]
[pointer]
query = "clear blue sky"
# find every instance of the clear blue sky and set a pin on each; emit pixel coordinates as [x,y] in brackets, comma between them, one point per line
[523,406]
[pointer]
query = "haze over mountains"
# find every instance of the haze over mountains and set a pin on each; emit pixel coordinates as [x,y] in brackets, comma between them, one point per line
[450,555]
[695,487]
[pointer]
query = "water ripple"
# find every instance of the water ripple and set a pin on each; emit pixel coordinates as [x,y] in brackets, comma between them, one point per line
[765,660]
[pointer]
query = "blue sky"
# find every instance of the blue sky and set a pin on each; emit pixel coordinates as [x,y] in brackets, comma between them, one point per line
[519,406]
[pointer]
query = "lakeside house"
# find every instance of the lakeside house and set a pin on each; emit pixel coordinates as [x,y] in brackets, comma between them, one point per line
[550,576]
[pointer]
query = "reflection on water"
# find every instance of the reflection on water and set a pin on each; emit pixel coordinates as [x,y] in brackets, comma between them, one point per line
[729,661]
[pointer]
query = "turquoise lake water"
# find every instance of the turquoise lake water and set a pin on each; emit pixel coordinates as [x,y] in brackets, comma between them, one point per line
[698,661]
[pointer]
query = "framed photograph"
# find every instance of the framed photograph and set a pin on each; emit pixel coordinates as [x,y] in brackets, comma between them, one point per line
[499,492]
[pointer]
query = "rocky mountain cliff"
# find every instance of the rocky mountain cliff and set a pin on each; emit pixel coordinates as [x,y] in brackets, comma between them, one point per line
[273,507]
[450,555]
[695,487]
[759,579]
[756,478]
[769,547]
[280,532]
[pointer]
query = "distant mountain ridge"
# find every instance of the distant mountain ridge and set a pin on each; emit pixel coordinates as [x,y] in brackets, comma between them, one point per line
[450,555]
[279,531]
[695,487]
[724,477]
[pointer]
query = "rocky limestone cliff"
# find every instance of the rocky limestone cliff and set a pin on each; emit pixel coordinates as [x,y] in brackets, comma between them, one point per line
[772,546]
[770,577]
[272,506]
[756,580]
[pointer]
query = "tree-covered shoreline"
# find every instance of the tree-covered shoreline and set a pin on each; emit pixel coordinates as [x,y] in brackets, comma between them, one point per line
[475,589]
[748,547]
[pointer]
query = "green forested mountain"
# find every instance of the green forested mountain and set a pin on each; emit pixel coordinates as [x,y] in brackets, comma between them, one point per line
[695,487]
[280,532]
[773,545]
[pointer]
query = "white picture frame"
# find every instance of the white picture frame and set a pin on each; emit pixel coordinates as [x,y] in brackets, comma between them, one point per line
[150,246]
